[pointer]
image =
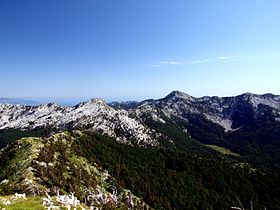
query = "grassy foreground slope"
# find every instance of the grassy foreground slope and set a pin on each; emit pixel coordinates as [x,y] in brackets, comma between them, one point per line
[53,165]
[165,178]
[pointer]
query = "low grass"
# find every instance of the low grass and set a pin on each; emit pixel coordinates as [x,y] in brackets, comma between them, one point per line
[34,203]
[222,150]
[29,203]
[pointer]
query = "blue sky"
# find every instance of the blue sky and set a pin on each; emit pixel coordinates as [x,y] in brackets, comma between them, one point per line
[137,49]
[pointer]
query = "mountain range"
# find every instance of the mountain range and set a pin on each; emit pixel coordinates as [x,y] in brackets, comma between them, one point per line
[94,114]
[245,124]
[177,152]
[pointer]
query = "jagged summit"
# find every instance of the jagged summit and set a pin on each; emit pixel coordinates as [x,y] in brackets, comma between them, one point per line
[97,101]
[178,95]
[267,99]
[248,94]
[183,95]
[94,114]
[223,111]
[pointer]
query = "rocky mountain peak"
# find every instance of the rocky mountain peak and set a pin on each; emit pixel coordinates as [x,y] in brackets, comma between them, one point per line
[94,114]
[222,111]
[178,95]
[97,101]
[94,103]
[268,99]
[49,105]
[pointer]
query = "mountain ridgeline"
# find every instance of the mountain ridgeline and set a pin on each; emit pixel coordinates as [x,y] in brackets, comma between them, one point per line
[178,152]
[247,124]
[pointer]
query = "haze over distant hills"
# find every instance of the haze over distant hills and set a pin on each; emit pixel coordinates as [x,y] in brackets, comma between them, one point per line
[44,100]
[17,101]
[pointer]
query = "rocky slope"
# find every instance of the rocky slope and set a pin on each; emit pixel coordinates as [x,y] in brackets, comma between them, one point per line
[248,124]
[56,165]
[222,111]
[94,114]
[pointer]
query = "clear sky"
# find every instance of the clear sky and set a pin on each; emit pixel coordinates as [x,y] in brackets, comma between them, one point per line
[137,49]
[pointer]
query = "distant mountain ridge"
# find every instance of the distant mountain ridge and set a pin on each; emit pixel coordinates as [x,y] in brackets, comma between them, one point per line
[17,101]
[244,124]
[131,120]
[94,114]
[219,110]
[240,123]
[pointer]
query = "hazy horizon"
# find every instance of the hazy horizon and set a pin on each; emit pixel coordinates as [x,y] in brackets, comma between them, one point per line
[70,101]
